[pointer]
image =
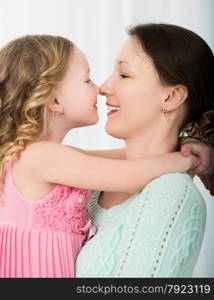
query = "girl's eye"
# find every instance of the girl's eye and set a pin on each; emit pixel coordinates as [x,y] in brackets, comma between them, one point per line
[88,81]
[123,76]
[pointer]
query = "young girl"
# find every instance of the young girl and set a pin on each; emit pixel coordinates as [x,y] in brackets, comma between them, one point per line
[45,91]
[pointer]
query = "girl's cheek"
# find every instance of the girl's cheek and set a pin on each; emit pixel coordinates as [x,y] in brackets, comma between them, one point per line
[93,90]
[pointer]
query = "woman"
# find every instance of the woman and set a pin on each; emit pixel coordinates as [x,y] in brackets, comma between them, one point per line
[162,86]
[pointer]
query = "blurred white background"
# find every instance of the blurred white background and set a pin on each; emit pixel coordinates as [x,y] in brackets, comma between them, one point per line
[98,28]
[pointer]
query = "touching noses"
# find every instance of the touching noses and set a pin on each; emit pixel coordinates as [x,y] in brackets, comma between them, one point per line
[106,88]
[96,88]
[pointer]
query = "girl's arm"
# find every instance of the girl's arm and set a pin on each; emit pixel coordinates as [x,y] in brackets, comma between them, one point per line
[113,153]
[56,163]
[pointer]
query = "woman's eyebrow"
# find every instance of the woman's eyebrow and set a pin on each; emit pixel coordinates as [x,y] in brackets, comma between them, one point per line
[122,62]
[126,64]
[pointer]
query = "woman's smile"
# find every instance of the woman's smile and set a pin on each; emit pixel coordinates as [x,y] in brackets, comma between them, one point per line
[111,109]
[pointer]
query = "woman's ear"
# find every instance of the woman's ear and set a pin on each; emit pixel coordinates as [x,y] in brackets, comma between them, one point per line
[176,97]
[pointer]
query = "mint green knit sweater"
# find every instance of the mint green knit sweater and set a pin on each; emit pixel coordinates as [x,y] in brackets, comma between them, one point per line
[157,232]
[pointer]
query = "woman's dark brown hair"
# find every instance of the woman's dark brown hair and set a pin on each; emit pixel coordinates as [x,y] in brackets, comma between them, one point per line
[182,57]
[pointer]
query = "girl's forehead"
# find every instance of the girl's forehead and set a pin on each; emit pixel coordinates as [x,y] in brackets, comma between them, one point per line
[79,59]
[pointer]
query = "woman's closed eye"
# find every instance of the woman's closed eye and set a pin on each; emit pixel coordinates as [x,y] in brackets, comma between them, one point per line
[123,75]
[88,81]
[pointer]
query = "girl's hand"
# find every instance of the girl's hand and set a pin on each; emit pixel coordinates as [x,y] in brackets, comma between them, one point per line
[205,167]
[205,156]
[191,164]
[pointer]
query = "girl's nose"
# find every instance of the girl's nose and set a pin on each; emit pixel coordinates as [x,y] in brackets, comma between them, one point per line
[96,88]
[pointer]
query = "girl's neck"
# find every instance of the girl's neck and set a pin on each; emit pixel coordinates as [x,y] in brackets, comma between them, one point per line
[53,138]
[55,133]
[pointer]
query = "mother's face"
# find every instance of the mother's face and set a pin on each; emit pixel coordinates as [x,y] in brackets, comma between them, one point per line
[136,91]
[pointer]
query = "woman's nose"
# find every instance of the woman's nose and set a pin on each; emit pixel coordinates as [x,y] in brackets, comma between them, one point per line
[106,88]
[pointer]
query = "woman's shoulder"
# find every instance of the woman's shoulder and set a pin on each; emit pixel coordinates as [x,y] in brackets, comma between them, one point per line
[169,178]
[174,188]
[163,194]
[172,182]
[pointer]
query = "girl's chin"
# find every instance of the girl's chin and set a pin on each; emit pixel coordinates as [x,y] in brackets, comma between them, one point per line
[94,120]
[91,122]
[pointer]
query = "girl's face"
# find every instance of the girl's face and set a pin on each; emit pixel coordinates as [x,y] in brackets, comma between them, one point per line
[134,89]
[76,94]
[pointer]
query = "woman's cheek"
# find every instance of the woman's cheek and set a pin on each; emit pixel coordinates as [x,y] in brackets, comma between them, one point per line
[121,92]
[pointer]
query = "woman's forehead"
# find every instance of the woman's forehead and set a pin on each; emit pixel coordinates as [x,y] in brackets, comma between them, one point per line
[132,54]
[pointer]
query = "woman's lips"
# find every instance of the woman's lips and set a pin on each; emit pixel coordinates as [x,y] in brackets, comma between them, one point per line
[112,108]
[112,112]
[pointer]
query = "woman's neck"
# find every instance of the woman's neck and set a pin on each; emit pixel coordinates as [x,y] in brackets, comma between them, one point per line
[151,143]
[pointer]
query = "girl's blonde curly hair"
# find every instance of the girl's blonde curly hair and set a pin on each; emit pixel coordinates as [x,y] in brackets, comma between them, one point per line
[30,69]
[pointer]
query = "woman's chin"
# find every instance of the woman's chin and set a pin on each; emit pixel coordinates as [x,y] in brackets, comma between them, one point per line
[114,132]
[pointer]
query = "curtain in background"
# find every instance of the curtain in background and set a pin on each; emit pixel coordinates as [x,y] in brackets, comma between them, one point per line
[98,28]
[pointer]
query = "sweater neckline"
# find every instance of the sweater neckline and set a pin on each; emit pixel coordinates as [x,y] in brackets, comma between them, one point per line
[114,207]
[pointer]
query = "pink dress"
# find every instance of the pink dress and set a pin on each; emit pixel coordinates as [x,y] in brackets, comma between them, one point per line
[42,238]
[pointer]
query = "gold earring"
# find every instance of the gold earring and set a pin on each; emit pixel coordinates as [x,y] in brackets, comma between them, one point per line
[164,109]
